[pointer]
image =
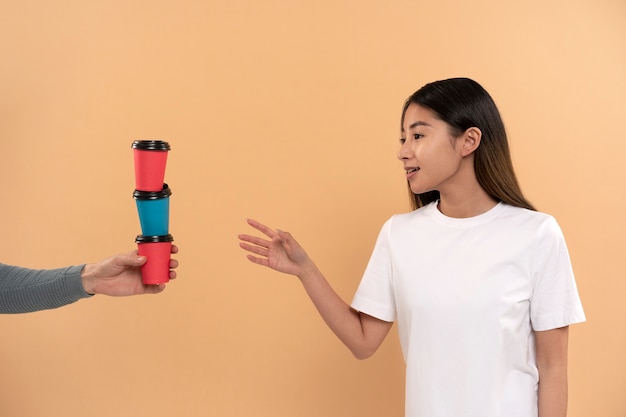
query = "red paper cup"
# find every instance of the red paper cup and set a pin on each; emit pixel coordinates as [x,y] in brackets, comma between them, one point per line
[150,161]
[158,250]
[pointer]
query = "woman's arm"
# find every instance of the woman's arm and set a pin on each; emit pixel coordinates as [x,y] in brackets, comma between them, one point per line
[362,334]
[551,348]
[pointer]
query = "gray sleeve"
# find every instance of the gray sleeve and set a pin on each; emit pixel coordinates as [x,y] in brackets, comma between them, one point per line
[23,290]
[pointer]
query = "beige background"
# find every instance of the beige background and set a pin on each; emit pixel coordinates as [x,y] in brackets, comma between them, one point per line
[287,112]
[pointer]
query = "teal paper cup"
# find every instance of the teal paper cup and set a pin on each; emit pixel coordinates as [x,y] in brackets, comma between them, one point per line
[153,208]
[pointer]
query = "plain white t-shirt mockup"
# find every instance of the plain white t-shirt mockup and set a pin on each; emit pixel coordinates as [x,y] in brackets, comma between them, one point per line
[467,295]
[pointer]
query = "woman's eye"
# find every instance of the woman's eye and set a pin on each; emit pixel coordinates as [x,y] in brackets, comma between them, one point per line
[402,140]
[418,136]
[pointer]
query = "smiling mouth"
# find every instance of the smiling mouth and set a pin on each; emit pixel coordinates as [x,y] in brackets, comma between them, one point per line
[412,170]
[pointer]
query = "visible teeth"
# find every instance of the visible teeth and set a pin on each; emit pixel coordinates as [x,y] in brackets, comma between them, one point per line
[411,170]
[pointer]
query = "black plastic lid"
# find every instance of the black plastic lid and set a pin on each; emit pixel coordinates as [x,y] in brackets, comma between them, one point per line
[151,145]
[154,239]
[153,195]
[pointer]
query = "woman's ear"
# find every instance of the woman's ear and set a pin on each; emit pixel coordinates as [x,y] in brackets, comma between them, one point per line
[471,140]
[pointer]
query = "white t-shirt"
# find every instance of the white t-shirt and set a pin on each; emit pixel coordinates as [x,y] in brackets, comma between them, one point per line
[467,294]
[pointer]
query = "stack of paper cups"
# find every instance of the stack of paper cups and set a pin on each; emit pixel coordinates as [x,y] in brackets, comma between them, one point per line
[152,197]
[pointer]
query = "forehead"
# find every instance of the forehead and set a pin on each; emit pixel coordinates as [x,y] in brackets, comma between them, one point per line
[417,115]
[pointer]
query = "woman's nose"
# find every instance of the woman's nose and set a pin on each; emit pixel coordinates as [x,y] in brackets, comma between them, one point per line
[404,151]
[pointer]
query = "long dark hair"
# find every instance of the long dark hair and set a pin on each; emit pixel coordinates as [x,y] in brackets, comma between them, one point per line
[463,103]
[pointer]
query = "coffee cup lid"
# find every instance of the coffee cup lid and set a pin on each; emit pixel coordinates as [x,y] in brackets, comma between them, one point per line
[153,195]
[151,145]
[154,239]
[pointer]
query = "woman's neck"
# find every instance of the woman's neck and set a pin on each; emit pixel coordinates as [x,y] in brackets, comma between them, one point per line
[470,203]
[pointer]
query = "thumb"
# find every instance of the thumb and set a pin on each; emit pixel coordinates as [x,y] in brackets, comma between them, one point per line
[286,239]
[133,259]
[140,259]
[283,236]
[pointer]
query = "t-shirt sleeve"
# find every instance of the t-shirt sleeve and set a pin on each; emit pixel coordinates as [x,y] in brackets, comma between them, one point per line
[374,296]
[555,300]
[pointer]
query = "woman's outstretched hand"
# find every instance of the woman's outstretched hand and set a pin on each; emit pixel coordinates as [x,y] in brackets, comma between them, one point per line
[361,333]
[281,252]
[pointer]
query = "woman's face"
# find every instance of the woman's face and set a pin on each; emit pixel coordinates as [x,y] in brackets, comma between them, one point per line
[430,154]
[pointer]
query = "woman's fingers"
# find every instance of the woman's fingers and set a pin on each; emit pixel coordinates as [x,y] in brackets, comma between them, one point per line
[267,231]
[260,261]
[259,250]
[258,247]
[255,240]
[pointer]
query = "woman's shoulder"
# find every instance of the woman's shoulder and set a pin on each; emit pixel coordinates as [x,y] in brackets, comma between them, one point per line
[411,217]
[526,214]
[539,223]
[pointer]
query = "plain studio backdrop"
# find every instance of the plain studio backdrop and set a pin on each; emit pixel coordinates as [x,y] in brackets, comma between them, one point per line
[287,112]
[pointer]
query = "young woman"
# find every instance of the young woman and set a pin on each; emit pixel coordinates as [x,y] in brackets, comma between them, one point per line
[480,283]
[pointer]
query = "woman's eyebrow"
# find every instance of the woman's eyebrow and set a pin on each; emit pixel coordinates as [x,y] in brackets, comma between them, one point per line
[418,123]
